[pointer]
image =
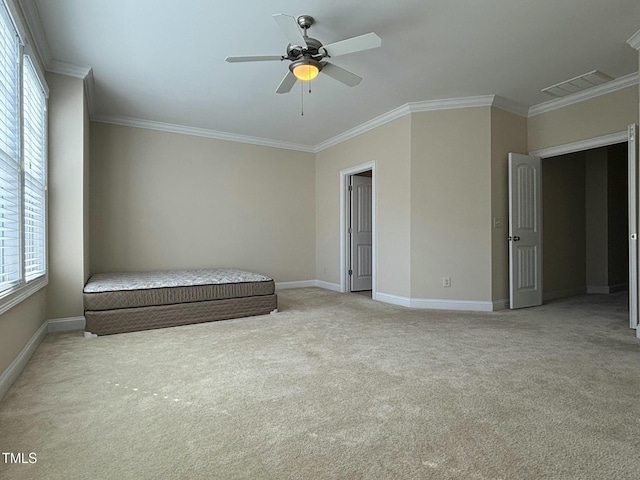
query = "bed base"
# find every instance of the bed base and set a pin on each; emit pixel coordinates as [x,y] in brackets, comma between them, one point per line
[106,322]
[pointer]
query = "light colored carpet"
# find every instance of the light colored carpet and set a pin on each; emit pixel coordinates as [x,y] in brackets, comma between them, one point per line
[338,386]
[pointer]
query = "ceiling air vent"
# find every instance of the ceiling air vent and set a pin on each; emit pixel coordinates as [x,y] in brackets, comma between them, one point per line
[577,84]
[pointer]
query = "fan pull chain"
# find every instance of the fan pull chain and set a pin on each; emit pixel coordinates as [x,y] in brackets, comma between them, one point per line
[302,99]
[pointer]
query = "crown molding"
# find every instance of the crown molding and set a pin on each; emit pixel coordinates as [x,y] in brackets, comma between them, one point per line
[510,106]
[69,69]
[451,103]
[365,127]
[609,87]
[427,106]
[200,132]
[634,41]
[41,46]
[36,31]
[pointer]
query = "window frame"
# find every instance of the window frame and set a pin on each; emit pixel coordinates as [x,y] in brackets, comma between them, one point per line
[23,289]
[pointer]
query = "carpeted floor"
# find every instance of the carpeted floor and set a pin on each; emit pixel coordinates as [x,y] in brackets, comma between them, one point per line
[338,386]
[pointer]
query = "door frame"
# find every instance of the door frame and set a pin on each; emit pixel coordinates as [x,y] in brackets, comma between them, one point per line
[345,209]
[588,144]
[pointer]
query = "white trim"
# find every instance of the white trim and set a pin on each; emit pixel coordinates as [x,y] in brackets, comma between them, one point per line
[609,87]
[581,145]
[439,304]
[10,375]
[426,106]
[66,324]
[393,299]
[606,289]
[68,69]
[328,286]
[22,293]
[36,31]
[200,132]
[90,91]
[634,41]
[451,103]
[461,305]
[298,284]
[344,215]
[365,127]
[510,106]
[597,290]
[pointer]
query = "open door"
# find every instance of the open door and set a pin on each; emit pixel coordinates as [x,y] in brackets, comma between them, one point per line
[633,227]
[525,231]
[361,230]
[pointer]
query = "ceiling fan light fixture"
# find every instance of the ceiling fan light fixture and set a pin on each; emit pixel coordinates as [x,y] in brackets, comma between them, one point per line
[306,69]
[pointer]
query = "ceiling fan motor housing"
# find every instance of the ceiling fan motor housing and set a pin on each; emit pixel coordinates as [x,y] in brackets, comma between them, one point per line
[312,49]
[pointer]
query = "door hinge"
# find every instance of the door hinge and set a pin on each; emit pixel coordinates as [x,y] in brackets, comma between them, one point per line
[349,229]
[350,188]
[350,272]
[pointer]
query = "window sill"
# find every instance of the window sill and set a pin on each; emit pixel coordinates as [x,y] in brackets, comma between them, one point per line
[19,294]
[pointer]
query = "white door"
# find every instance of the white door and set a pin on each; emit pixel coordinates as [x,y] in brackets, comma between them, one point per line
[525,231]
[360,229]
[633,227]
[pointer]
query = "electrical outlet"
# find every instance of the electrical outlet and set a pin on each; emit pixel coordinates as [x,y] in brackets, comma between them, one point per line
[446,281]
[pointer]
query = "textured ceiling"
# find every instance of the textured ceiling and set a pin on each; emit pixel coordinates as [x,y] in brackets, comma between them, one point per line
[163,61]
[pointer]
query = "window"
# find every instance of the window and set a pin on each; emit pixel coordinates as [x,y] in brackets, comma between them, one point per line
[23,169]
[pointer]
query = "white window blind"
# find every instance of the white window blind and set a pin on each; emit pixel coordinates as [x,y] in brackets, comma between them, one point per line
[10,194]
[34,167]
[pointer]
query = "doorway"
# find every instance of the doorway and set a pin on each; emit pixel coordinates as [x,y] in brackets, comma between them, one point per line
[360,233]
[358,256]
[585,225]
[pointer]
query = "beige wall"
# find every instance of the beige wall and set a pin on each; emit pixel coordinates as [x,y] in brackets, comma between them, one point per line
[390,147]
[162,200]
[451,204]
[596,218]
[19,324]
[85,189]
[67,196]
[603,115]
[617,214]
[508,135]
[564,229]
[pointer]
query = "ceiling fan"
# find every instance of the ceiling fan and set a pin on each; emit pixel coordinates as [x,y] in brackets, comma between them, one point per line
[307,55]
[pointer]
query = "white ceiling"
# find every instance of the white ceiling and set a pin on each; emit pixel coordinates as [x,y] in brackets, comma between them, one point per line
[163,61]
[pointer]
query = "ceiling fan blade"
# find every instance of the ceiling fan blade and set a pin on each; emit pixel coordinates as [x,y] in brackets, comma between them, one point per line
[352,45]
[253,58]
[289,27]
[287,83]
[342,75]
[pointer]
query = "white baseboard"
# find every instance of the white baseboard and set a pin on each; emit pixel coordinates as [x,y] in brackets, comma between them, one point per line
[393,299]
[620,287]
[439,304]
[461,305]
[11,374]
[606,289]
[308,283]
[13,371]
[328,286]
[299,284]
[66,324]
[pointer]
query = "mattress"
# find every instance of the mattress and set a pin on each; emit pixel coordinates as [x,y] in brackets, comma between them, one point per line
[110,291]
